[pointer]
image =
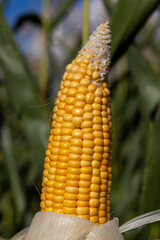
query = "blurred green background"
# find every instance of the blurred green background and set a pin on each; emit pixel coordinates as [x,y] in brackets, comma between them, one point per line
[37,39]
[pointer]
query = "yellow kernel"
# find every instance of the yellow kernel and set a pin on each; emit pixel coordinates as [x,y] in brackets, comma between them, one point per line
[78,60]
[74,156]
[65,145]
[87,116]
[74,69]
[77,112]
[70,196]
[84,190]
[62,165]
[70,100]
[60,178]
[66,131]
[69,203]
[91,88]
[72,92]
[57,210]
[88,136]
[61,106]
[87,124]
[95,187]
[67,117]
[96,113]
[48,203]
[94,203]
[104,113]
[84,184]
[57,205]
[97,156]
[59,192]
[64,151]
[70,189]
[66,83]
[74,170]
[103,220]
[98,100]
[76,150]
[96,180]
[94,219]
[90,98]
[94,195]
[54,150]
[93,211]
[77,121]
[82,90]
[95,172]
[77,77]
[50,183]
[88,108]
[102,213]
[89,72]
[98,149]
[42,205]
[97,106]
[54,145]
[98,141]
[66,138]
[88,151]
[88,143]
[86,177]
[98,92]
[79,104]
[60,112]
[68,67]
[74,164]
[58,199]
[76,142]
[77,133]
[72,183]
[69,108]
[86,157]
[68,210]
[49,196]
[49,190]
[95,75]
[105,120]
[86,170]
[61,171]
[97,120]
[84,216]
[85,82]
[82,210]
[83,197]
[104,175]
[72,177]
[80,97]
[86,163]
[87,130]
[98,134]
[97,127]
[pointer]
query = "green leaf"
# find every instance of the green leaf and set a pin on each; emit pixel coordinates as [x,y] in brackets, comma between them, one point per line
[151,183]
[17,193]
[23,95]
[146,79]
[128,18]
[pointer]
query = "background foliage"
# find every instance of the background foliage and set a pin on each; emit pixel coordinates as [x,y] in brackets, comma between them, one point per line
[25,120]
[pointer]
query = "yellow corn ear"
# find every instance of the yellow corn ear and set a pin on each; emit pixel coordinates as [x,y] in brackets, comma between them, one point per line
[77,169]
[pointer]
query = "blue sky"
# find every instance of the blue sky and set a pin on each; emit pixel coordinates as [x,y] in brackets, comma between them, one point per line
[16,8]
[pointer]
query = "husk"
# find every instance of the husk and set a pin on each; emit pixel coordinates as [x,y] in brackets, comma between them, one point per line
[55,226]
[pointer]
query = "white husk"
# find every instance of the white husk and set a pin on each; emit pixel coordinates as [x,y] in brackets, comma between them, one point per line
[55,226]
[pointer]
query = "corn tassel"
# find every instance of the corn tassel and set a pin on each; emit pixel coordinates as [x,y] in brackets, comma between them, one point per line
[77,169]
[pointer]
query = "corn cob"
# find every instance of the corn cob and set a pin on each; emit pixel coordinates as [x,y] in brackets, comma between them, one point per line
[77,169]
